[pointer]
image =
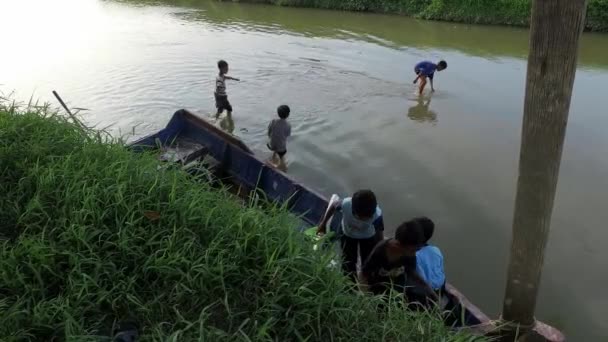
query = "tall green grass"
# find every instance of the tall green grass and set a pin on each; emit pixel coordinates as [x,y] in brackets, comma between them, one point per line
[505,12]
[80,251]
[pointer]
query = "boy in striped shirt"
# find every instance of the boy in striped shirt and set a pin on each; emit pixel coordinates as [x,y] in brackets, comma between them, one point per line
[221,97]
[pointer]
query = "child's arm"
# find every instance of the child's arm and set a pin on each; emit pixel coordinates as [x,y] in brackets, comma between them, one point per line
[322,228]
[363,283]
[432,89]
[270,128]
[413,274]
[416,79]
[231,78]
[379,226]
[368,268]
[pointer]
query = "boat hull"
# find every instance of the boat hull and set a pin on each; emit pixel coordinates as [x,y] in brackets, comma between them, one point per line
[238,163]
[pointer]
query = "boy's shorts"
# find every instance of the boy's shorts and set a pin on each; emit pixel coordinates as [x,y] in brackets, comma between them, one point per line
[281,153]
[221,103]
[417,72]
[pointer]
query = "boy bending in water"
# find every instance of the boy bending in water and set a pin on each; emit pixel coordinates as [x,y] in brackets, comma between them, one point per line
[394,259]
[362,228]
[426,69]
[221,97]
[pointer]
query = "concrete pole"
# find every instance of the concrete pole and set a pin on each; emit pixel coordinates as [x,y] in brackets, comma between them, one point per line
[556,27]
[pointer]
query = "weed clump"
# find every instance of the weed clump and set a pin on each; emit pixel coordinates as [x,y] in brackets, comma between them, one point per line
[91,234]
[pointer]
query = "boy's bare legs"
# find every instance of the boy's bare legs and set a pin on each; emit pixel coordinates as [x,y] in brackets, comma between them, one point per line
[226,123]
[230,122]
[281,164]
[422,85]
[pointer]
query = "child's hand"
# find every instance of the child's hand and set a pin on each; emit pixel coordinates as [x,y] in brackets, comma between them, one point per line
[415,81]
[320,230]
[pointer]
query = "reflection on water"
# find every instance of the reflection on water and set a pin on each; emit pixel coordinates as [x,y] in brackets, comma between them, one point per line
[227,123]
[420,112]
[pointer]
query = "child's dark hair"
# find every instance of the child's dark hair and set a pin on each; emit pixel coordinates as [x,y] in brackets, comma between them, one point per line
[221,64]
[410,233]
[283,111]
[443,64]
[428,227]
[364,203]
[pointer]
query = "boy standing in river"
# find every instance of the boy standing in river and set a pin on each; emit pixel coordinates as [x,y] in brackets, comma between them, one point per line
[278,132]
[221,97]
[426,69]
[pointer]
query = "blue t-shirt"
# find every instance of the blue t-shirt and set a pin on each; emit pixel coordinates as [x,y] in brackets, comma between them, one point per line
[358,229]
[426,68]
[429,264]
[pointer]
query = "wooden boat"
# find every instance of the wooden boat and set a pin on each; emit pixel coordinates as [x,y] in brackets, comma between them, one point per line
[188,138]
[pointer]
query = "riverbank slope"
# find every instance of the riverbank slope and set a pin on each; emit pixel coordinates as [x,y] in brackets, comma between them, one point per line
[91,234]
[502,12]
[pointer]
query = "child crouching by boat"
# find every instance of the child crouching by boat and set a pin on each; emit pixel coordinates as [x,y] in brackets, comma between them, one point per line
[362,227]
[393,261]
[429,264]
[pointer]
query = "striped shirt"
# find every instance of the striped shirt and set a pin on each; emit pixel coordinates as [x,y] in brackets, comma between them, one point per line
[220,85]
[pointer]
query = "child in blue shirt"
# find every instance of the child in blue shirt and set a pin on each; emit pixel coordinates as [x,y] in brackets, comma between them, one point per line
[429,258]
[429,265]
[426,69]
[362,228]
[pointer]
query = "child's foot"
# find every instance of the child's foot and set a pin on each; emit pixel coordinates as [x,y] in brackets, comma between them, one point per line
[281,165]
[271,163]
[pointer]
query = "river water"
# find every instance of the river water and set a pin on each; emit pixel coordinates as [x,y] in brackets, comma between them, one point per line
[356,120]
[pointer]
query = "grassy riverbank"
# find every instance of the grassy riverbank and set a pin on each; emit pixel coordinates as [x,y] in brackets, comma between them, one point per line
[91,234]
[505,12]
